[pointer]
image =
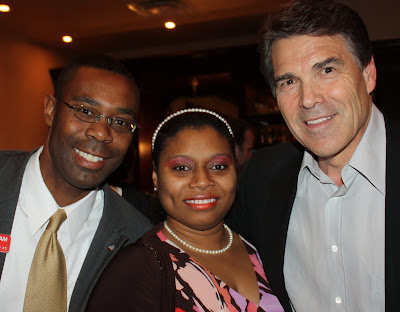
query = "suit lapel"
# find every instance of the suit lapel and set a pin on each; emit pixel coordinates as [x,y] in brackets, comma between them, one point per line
[275,197]
[286,202]
[106,242]
[392,214]
[11,173]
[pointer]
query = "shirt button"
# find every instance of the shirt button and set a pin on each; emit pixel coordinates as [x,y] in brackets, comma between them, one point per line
[338,300]
[334,248]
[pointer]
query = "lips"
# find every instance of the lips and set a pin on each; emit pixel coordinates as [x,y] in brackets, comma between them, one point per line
[319,120]
[203,203]
[87,156]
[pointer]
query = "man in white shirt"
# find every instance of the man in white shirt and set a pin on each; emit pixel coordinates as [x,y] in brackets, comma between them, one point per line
[91,119]
[324,213]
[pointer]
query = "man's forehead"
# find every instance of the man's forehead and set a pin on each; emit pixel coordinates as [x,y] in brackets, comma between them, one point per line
[312,49]
[307,41]
[85,76]
[96,87]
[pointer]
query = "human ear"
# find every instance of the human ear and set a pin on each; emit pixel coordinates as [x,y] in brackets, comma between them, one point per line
[369,73]
[49,109]
[154,177]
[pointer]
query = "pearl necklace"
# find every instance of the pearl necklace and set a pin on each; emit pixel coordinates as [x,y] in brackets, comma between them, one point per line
[210,252]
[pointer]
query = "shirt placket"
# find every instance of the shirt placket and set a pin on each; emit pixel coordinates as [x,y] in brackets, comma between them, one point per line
[333,223]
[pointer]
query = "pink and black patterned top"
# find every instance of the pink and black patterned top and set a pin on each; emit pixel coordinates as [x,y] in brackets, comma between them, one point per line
[198,289]
[155,275]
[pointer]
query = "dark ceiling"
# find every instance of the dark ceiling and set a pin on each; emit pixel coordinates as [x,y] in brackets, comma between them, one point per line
[108,26]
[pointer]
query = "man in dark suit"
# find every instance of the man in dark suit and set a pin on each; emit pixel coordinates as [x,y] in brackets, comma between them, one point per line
[323,212]
[91,119]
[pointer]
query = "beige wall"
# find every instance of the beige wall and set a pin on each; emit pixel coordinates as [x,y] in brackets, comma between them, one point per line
[24,81]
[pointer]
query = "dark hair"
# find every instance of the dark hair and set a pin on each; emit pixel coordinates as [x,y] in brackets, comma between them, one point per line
[98,61]
[191,120]
[239,127]
[316,18]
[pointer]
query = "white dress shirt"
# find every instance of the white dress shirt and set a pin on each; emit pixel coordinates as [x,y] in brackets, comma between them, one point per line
[334,258]
[35,207]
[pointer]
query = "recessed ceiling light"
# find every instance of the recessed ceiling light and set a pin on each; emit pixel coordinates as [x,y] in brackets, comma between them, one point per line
[67,39]
[169,25]
[4,8]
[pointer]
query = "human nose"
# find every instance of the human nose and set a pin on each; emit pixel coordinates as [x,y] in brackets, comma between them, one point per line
[310,95]
[100,130]
[201,179]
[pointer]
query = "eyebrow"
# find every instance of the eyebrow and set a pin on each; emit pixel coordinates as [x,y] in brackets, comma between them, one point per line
[329,60]
[86,100]
[221,157]
[173,161]
[127,111]
[283,77]
[183,156]
[93,102]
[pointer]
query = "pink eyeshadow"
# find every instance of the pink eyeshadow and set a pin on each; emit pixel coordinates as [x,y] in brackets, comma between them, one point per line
[223,159]
[178,161]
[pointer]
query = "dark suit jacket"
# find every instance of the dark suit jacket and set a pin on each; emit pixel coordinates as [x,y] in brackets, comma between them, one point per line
[121,224]
[264,203]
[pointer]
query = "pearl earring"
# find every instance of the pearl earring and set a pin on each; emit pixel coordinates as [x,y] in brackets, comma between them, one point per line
[155,189]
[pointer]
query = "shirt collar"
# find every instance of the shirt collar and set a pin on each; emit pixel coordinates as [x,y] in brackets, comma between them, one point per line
[40,205]
[370,150]
[310,163]
[369,157]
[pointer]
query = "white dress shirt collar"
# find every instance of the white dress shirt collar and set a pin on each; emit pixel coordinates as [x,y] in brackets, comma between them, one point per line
[40,210]
[368,151]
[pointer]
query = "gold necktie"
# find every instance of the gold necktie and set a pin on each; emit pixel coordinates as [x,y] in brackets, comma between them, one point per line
[47,282]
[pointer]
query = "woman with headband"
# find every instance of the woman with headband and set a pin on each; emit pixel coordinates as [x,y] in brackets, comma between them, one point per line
[193,261]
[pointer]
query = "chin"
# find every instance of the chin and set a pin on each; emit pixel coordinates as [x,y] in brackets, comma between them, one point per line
[86,186]
[326,152]
[86,183]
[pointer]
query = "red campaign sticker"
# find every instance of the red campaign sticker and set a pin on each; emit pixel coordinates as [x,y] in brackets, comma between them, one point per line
[5,241]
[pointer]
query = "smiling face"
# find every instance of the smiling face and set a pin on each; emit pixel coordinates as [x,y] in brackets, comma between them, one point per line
[78,156]
[196,178]
[323,94]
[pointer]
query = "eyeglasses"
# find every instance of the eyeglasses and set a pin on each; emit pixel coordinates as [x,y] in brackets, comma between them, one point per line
[89,114]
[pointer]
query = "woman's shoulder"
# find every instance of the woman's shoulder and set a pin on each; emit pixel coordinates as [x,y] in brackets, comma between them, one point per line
[137,253]
[133,278]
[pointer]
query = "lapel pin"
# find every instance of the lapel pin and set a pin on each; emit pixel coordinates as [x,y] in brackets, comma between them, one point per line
[111,247]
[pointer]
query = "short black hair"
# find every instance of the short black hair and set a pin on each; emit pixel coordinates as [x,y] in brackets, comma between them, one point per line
[239,127]
[315,18]
[191,120]
[98,61]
